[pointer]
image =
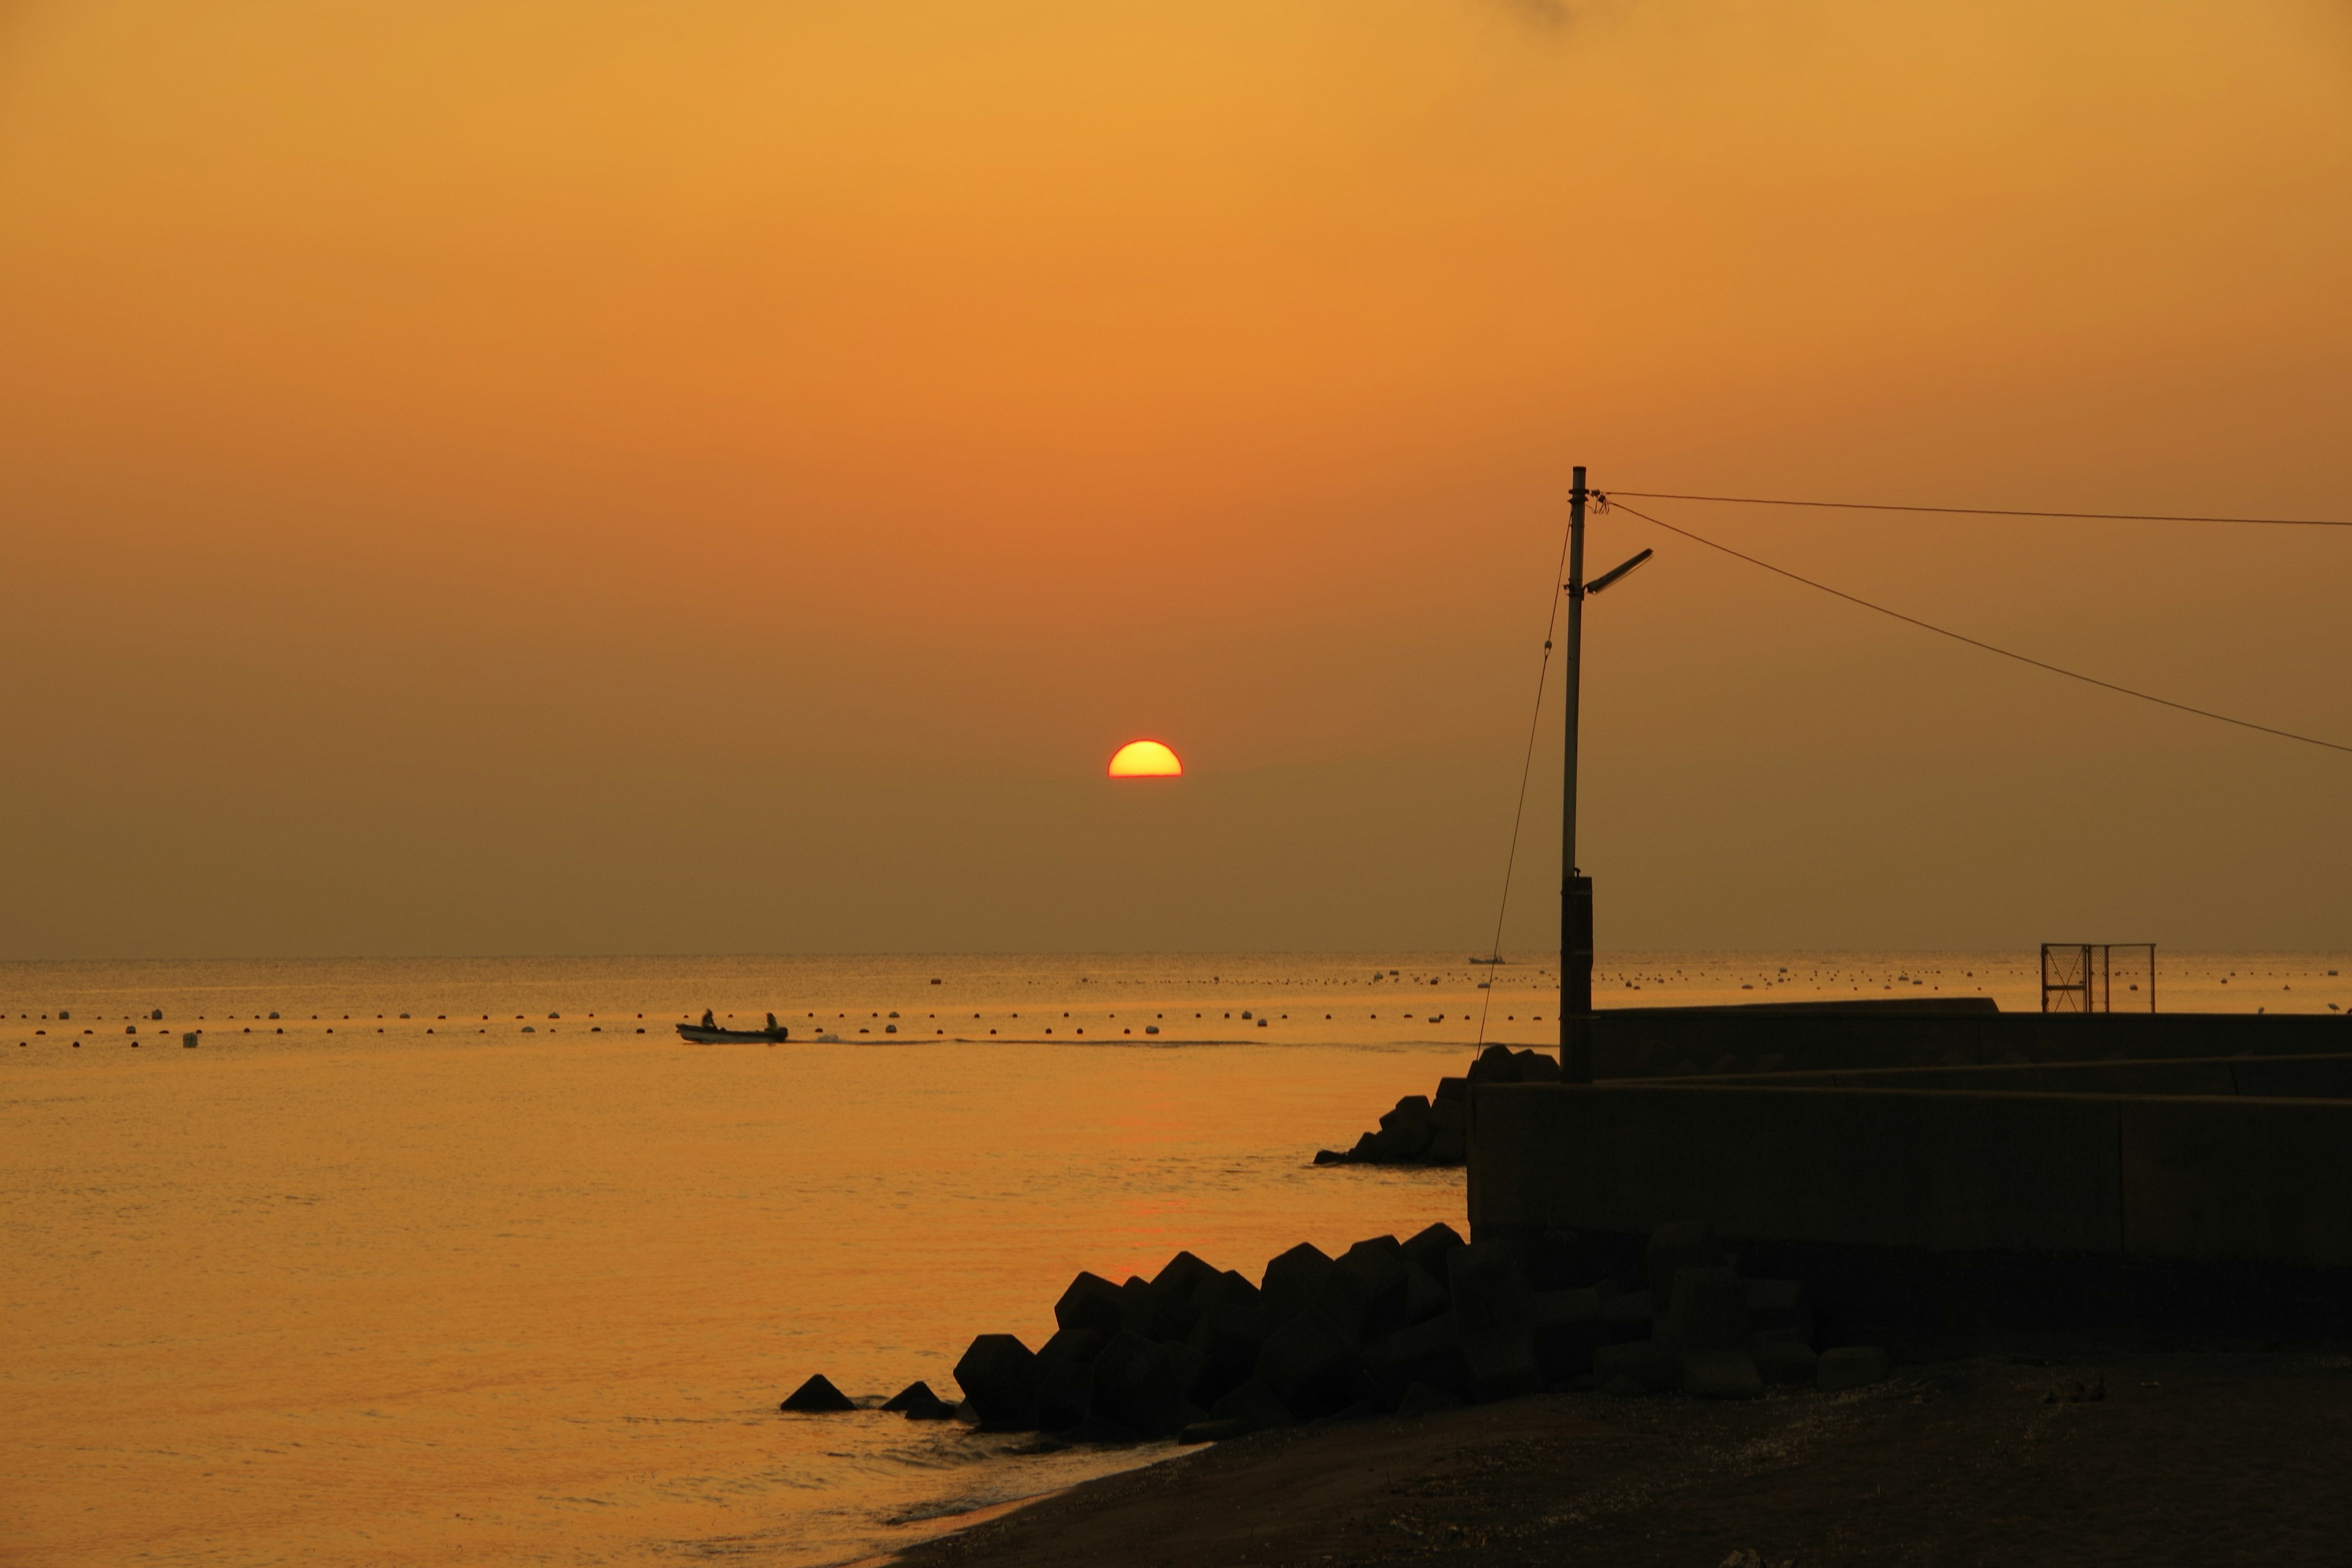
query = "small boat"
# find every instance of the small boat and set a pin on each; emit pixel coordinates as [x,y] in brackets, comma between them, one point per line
[709,1033]
[1475,959]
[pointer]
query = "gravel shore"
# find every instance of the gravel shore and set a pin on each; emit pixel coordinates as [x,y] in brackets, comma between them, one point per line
[1998,1458]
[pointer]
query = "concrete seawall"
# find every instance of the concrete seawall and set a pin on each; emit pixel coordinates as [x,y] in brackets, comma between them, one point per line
[2312,1077]
[2185,1176]
[1645,1042]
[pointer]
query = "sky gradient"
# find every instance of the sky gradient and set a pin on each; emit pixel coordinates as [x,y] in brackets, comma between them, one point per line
[597,477]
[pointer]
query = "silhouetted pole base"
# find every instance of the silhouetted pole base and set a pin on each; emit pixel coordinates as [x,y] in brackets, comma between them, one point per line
[1576,1048]
[1576,979]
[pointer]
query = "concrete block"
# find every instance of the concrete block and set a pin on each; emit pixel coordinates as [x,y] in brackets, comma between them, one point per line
[1091,1302]
[1292,1280]
[1852,1366]
[1783,1360]
[1774,1304]
[1649,1363]
[1709,1314]
[1309,1366]
[999,1375]
[1064,1396]
[817,1396]
[1138,1387]
[1684,1244]
[1487,1289]
[1256,1405]
[1721,1374]
[1421,1399]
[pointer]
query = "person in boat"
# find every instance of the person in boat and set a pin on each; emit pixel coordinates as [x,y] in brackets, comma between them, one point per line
[708,1021]
[771,1020]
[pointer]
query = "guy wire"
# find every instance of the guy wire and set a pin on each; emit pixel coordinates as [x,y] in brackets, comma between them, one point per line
[1610,504]
[1518,812]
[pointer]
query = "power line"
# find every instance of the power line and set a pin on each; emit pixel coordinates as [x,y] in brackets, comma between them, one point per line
[1974,642]
[1990,511]
[1511,860]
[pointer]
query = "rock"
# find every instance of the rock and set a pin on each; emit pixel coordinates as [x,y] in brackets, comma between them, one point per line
[1494,1065]
[1091,1302]
[1537,1066]
[1138,1387]
[1309,1366]
[818,1396]
[1065,1393]
[1783,1360]
[1854,1366]
[1448,1148]
[1367,1149]
[1333,1157]
[1429,1249]
[1492,1312]
[1362,1410]
[1253,1404]
[999,1377]
[1689,1244]
[1080,1345]
[1291,1282]
[1421,1399]
[1648,1364]
[916,1401]
[1450,1090]
[1450,1115]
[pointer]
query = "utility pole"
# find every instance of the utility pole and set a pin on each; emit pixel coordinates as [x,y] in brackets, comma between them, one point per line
[1575,889]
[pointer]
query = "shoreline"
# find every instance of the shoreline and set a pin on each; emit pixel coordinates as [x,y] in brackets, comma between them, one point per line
[2075,1455]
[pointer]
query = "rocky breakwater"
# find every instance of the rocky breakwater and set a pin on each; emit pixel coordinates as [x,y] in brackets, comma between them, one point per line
[1434,1130]
[1387,1327]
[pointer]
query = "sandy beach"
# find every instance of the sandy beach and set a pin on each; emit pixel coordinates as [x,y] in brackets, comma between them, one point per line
[1995,1458]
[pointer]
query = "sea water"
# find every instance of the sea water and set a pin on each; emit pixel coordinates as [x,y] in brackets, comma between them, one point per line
[478,1262]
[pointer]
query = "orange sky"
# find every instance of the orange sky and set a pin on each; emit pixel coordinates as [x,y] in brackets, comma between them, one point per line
[467,474]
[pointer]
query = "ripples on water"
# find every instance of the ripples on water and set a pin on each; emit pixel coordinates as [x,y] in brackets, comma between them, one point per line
[504,1281]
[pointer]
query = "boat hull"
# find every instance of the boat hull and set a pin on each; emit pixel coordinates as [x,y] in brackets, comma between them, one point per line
[695,1033]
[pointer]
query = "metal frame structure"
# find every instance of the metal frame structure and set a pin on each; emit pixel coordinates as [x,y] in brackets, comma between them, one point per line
[2080,976]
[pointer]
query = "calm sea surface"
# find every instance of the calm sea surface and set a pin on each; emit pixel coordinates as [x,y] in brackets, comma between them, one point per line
[449,1263]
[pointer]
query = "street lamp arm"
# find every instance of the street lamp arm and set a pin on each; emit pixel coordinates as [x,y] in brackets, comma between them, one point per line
[1614,572]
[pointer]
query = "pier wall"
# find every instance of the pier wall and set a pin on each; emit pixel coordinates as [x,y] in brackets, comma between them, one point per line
[2188,1176]
[2313,1076]
[1658,1042]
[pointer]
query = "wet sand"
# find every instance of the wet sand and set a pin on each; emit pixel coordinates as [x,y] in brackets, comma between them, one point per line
[2202,1458]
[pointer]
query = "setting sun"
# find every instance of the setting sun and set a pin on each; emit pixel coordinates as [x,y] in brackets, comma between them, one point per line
[1145,760]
